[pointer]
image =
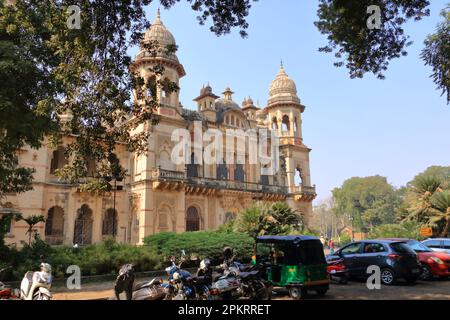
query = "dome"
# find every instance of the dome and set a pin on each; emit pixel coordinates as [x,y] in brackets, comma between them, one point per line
[226,102]
[283,89]
[158,32]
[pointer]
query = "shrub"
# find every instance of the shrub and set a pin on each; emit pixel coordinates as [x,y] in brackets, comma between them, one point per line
[201,244]
[410,230]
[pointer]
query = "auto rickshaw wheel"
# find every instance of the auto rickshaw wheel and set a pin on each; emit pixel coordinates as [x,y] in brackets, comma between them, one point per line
[297,292]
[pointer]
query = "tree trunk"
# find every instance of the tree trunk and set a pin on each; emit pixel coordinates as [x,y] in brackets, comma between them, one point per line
[444,233]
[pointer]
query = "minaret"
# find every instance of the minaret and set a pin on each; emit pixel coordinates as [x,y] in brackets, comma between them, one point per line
[284,111]
[205,103]
[174,70]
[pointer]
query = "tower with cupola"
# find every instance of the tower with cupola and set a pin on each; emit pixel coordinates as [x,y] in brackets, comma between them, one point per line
[157,48]
[284,116]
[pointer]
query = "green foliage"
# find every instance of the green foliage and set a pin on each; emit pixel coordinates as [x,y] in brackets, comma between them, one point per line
[361,49]
[277,219]
[227,227]
[409,230]
[200,244]
[436,54]
[369,201]
[48,69]
[344,239]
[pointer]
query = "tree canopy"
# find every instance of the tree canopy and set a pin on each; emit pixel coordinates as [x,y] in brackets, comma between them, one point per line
[367,201]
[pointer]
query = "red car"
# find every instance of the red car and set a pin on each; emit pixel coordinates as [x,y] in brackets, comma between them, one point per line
[434,264]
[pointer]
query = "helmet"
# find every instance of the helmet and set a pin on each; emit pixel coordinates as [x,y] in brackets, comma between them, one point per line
[45,267]
[227,252]
[205,263]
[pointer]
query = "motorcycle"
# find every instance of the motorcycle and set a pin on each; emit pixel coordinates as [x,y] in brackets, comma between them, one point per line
[238,281]
[182,285]
[338,271]
[36,285]
[149,290]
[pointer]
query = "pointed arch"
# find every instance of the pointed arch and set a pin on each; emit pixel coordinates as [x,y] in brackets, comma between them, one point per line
[54,226]
[83,226]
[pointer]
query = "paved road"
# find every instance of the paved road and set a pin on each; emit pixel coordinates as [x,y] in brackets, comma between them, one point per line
[357,290]
[354,290]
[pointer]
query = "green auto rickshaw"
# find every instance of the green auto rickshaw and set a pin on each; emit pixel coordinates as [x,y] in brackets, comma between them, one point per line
[296,262]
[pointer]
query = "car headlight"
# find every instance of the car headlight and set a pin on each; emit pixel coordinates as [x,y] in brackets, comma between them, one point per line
[437,260]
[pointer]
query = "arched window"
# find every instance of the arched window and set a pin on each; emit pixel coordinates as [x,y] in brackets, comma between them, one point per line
[222,171]
[298,179]
[54,226]
[274,124]
[192,168]
[165,88]
[110,222]
[285,126]
[295,125]
[91,166]
[192,219]
[83,226]
[227,119]
[150,90]
[5,212]
[58,160]
[232,120]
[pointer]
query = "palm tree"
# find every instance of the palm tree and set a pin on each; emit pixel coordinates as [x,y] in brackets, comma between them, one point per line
[31,221]
[441,211]
[423,188]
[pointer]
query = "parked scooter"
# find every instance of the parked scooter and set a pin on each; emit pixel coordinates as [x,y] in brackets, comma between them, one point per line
[338,271]
[150,290]
[36,285]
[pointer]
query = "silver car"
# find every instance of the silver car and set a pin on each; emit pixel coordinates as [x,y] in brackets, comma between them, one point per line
[438,244]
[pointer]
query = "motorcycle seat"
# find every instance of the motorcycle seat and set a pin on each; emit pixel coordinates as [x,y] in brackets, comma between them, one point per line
[250,274]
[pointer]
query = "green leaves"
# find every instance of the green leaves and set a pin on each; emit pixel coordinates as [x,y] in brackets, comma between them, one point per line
[277,219]
[360,48]
[369,201]
[436,54]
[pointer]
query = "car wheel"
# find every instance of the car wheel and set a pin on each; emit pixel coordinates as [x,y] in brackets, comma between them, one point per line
[387,277]
[297,293]
[426,273]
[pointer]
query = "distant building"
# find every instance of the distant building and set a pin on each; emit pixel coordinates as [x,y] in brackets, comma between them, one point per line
[158,195]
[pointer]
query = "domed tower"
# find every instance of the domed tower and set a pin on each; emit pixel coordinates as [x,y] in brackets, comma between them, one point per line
[283,112]
[206,103]
[162,44]
[284,108]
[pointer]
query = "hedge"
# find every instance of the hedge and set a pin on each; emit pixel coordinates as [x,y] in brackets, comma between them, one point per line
[201,244]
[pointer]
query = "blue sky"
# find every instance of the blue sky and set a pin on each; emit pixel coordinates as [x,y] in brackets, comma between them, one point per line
[395,127]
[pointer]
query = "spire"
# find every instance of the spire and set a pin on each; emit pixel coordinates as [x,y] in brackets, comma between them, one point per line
[158,17]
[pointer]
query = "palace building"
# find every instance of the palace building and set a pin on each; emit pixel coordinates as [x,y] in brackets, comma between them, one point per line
[158,195]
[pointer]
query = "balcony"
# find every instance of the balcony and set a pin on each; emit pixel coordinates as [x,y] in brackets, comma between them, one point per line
[303,192]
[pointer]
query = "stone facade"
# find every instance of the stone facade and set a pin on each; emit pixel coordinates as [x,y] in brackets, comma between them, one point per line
[160,196]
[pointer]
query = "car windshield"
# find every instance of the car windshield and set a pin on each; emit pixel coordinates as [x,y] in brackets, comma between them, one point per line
[418,247]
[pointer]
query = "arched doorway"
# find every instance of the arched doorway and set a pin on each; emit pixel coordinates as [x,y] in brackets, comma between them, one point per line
[109,226]
[192,219]
[83,226]
[54,226]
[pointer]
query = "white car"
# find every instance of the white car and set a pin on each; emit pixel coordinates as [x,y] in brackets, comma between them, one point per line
[438,244]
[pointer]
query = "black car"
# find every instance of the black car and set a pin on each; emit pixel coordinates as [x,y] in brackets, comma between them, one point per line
[395,259]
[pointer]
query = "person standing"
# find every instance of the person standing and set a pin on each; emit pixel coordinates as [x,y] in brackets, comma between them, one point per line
[331,246]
